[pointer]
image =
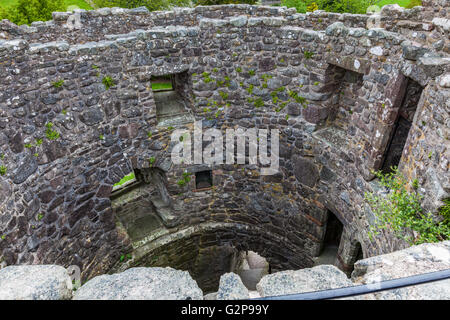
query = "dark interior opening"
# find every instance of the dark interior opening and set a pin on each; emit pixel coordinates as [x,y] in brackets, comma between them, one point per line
[398,141]
[334,231]
[359,252]
[203,179]
[402,127]
[331,241]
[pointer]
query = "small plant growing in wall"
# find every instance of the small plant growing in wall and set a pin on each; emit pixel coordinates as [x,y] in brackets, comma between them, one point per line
[58,84]
[186,178]
[2,170]
[206,77]
[108,82]
[308,54]
[50,133]
[224,95]
[259,102]
[125,257]
[151,161]
[400,211]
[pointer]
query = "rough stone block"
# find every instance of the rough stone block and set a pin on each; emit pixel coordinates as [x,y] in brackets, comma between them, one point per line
[35,282]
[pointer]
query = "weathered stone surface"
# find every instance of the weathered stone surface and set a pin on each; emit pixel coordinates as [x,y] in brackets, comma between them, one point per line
[231,288]
[445,81]
[35,282]
[419,259]
[5,191]
[92,116]
[234,66]
[305,171]
[141,284]
[413,52]
[306,280]
[27,167]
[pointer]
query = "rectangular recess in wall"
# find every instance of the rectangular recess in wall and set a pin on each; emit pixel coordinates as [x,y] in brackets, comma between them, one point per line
[402,126]
[172,95]
[203,179]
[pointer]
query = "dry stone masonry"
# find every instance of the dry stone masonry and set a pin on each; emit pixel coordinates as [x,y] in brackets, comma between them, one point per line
[44,282]
[349,94]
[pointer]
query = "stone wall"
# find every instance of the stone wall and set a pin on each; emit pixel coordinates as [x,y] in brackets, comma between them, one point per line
[334,91]
[52,282]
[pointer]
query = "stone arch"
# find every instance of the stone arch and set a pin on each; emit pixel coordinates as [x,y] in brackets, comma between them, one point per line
[350,250]
[207,251]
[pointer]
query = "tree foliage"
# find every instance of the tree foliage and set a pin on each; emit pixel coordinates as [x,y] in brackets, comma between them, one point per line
[27,11]
[400,211]
[216,2]
[152,5]
[340,6]
[413,3]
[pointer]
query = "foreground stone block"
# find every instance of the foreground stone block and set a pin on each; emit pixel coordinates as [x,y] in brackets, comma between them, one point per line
[35,282]
[415,260]
[305,280]
[141,284]
[231,288]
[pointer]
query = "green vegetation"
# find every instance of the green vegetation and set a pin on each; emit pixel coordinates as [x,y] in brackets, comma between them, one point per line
[27,11]
[108,82]
[58,84]
[125,179]
[2,170]
[214,2]
[50,133]
[82,4]
[400,211]
[151,5]
[186,178]
[125,257]
[308,54]
[151,161]
[7,3]
[158,86]
[341,6]
[259,103]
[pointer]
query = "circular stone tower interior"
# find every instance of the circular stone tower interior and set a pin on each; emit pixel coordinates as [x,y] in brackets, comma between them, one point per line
[92,101]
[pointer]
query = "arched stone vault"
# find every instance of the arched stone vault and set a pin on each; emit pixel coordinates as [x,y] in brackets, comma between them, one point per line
[55,204]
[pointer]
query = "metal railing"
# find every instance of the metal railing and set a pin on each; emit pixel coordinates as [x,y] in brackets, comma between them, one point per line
[366,288]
